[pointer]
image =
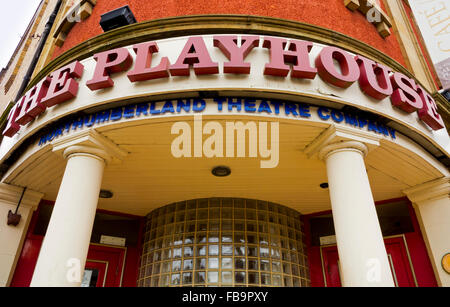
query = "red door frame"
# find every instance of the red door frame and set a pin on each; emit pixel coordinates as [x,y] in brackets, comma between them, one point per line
[419,256]
[32,245]
[396,247]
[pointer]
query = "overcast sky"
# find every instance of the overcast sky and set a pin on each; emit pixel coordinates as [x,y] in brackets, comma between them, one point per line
[14,18]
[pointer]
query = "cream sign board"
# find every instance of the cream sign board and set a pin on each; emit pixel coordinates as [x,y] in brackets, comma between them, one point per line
[433,19]
[230,65]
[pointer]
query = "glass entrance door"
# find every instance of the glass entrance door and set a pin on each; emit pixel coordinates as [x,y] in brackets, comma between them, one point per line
[104,266]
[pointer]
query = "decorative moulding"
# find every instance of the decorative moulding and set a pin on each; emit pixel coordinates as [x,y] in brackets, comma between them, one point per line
[90,141]
[372,10]
[10,194]
[78,12]
[336,134]
[434,189]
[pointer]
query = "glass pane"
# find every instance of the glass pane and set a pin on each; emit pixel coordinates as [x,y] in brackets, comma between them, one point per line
[252,251]
[227,213]
[252,264]
[177,253]
[239,250]
[175,279]
[213,276]
[213,250]
[263,252]
[239,277]
[187,278]
[253,278]
[164,281]
[227,238]
[227,277]
[189,239]
[188,251]
[200,263]
[200,277]
[239,263]
[265,279]
[227,263]
[227,250]
[239,226]
[188,264]
[227,225]
[239,238]
[213,263]
[202,214]
[201,250]
[176,265]
[201,238]
[265,265]
[214,225]
[165,267]
[276,280]
[276,266]
[202,226]
[214,213]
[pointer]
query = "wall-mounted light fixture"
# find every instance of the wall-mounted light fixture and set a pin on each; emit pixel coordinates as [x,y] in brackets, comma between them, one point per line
[14,218]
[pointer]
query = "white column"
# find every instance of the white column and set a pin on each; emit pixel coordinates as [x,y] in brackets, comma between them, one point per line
[64,250]
[65,246]
[360,244]
[432,204]
[12,237]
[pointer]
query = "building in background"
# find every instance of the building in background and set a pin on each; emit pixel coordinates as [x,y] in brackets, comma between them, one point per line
[224,144]
[432,19]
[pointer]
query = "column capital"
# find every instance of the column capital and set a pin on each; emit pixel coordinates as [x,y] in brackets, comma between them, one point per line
[10,194]
[89,142]
[434,189]
[343,146]
[335,136]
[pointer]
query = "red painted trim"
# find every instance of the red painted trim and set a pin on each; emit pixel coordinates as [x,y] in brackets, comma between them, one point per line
[419,255]
[313,255]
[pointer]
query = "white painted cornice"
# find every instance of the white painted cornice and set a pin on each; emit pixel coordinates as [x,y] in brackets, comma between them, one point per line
[435,189]
[89,142]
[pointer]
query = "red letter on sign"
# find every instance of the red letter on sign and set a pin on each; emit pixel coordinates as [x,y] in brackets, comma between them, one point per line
[327,71]
[194,53]
[62,86]
[142,69]
[405,94]
[12,127]
[236,55]
[297,54]
[108,62]
[374,78]
[30,103]
[429,113]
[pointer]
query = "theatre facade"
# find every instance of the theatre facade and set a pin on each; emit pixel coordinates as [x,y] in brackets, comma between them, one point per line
[197,147]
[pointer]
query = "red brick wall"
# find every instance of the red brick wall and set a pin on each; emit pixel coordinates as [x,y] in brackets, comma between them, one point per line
[331,14]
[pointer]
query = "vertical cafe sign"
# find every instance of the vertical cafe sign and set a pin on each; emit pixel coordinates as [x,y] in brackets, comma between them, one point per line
[433,19]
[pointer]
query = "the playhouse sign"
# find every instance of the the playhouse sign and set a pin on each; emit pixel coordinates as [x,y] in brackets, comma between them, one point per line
[286,57]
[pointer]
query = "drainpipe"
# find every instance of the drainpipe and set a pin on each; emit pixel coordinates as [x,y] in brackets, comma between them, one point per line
[37,54]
